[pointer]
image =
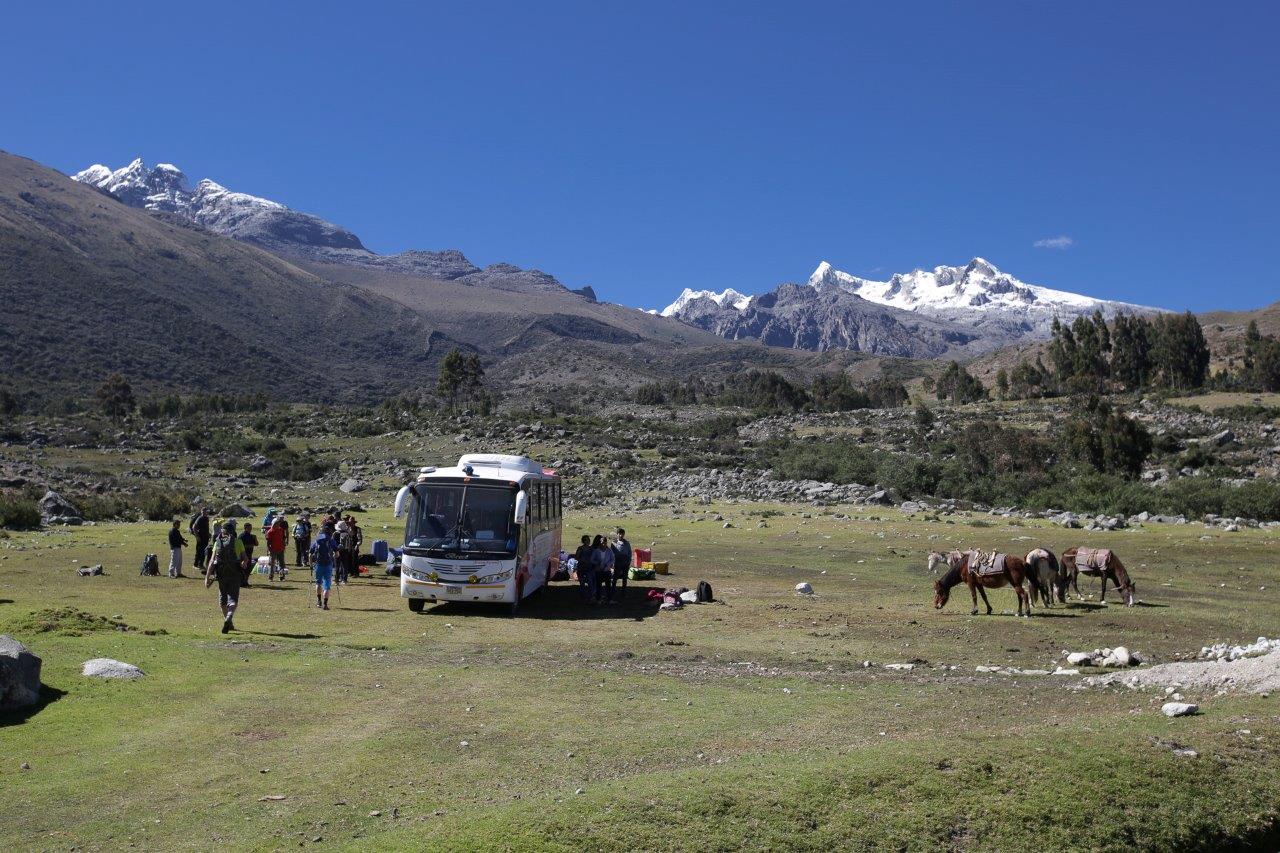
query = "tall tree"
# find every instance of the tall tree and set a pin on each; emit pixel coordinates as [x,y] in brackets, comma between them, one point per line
[116,397]
[958,385]
[1131,352]
[452,377]
[1180,352]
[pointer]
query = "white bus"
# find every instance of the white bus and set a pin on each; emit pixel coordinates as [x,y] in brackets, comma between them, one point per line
[487,529]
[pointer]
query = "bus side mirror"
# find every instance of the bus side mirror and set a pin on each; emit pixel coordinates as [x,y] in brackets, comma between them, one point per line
[522,507]
[401,497]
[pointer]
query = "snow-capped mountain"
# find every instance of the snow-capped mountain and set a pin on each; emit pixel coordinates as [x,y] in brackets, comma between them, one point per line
[728,296]
[976,294]
[970,307]
[295,235]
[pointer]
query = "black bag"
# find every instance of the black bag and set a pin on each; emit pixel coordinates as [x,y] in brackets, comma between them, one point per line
[704,592]
[150,565]
[226,564]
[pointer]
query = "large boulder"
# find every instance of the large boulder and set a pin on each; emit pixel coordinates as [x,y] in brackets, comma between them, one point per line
[110,668]
[19,675]
[236,511]
[54,505]
[352,485]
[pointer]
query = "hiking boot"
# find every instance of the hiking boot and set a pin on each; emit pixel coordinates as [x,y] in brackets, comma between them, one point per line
[226,625]
[326,605]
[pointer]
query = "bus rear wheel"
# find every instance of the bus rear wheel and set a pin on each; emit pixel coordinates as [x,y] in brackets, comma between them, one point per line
[416,604]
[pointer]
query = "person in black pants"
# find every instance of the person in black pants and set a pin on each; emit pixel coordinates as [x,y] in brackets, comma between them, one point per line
[199,528]
[302,540]
[621,564]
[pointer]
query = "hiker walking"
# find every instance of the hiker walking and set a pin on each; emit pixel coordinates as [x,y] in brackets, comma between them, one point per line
[582,558]
[341,540]
[226,564]
[622,555]
[277,539]
[250,543]
[302,540]
[199,528]
[323,552]
[176,543]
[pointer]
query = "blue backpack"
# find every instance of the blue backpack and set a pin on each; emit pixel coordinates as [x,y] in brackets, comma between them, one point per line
[322,550]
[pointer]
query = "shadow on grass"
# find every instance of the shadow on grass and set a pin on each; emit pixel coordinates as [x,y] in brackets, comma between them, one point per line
[1055,614]
[368,609]
[6,601]
[559,603]
[1148,604]
[281,635]
[48,695]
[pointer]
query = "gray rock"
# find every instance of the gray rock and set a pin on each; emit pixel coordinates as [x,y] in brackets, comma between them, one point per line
[259,463]
[352,485]
[1179,709]
[110,668]
[804,588]
[19,675]
[55,505]
[1221,438]
[236,511]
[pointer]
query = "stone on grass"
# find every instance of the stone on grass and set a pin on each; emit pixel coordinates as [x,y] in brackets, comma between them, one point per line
[352,485]
[804,588]
[1080,659]
[236,511]
[110,668]
[54,505]
[19,675]
[1179,709]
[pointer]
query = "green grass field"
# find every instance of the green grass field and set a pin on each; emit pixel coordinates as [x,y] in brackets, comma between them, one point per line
[750,723]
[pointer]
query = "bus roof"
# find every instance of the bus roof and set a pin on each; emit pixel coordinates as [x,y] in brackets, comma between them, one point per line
[495,466]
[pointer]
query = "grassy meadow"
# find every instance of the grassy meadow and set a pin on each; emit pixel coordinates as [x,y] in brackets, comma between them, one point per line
[748,723]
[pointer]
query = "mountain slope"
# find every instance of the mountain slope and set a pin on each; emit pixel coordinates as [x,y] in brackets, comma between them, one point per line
[292,234]
[92,286]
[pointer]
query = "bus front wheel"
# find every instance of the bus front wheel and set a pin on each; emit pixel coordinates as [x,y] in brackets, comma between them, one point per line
[416,604]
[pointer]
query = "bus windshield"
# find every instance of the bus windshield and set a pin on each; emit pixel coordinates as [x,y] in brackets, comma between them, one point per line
[462,517]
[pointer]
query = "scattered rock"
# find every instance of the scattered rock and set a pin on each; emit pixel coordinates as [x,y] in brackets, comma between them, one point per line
[1179,709]
[352,485]
[19,675]
[110,668]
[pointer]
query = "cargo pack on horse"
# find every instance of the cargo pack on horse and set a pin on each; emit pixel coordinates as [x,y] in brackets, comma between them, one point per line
[989,571]
[1045,576]
[1097,562]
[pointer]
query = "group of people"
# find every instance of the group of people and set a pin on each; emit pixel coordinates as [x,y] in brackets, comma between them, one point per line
[601,567]
[226,555]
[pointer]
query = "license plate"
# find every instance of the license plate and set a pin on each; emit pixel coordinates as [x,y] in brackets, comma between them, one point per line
[453,590]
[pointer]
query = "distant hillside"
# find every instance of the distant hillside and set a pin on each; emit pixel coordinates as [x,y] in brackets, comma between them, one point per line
[91,285]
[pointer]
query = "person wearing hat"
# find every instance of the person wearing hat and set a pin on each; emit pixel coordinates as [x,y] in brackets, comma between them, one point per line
[302,540]
[277,537]
[339,534]
[227,563]
[323,552]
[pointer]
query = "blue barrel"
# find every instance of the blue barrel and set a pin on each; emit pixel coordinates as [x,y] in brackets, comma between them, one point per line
[380,550]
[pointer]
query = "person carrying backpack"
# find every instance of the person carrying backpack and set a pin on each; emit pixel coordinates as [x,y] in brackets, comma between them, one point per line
[302,540]
[199,528]
[323,553]
[250,542]
[227,564]
[176,542]
[277,538]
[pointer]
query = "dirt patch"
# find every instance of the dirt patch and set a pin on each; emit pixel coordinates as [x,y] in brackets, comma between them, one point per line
[1245,675]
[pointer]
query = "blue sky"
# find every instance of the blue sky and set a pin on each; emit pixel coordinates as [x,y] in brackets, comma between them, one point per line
[644,147]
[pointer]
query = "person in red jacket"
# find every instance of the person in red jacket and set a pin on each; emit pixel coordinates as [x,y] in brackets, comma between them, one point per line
[277,538]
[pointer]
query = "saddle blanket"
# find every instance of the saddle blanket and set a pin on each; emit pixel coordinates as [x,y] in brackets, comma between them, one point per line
[1092,558]
[986,564]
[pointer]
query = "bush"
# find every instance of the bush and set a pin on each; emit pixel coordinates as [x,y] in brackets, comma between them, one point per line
[18,512]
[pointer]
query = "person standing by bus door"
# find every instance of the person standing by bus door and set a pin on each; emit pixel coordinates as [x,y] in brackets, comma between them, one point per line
[585,567]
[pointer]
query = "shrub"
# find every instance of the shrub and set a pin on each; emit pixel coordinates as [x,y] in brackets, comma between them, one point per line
[18,512]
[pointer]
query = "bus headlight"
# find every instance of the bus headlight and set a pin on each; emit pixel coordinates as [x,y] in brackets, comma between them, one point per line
[498,578]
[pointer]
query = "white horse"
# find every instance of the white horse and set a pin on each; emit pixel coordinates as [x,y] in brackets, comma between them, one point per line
[1046,576]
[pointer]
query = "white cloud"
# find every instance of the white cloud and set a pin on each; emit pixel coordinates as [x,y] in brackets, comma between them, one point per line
[1062,241]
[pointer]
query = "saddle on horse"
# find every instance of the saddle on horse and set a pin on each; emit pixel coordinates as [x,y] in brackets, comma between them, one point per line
[1093,558]
[986,564]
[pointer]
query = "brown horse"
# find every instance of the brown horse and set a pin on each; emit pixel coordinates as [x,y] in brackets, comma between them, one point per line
[1015,572]
[1114,571]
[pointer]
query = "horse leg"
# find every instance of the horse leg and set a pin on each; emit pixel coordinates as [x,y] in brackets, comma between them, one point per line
[973,592]
[985,601]
[1023,595]
[1104,588]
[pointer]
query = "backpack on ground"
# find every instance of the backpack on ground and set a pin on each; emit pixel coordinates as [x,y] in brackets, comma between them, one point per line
[704,592]
[150,565]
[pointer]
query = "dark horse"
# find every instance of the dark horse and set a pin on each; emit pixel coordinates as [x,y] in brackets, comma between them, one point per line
[1114,571]
[1015,572]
